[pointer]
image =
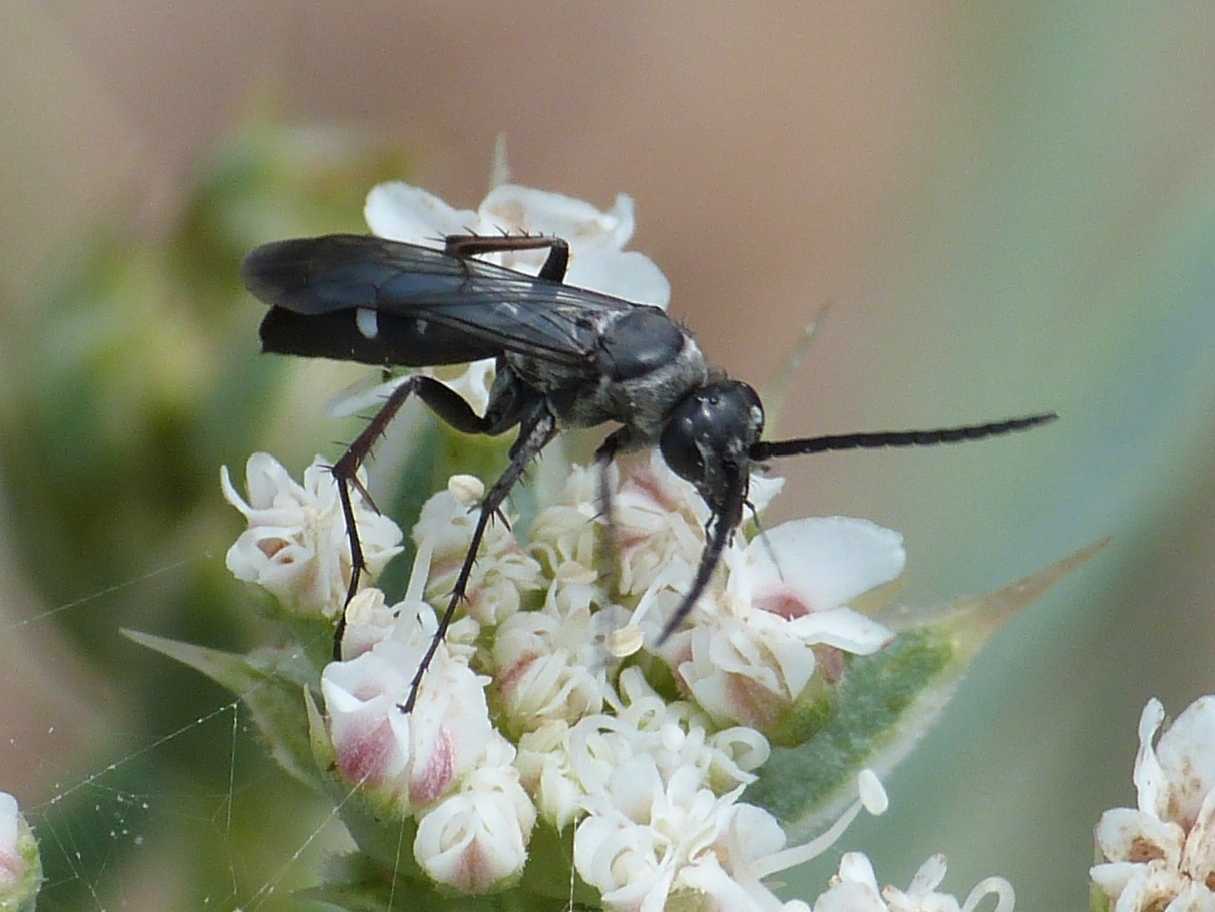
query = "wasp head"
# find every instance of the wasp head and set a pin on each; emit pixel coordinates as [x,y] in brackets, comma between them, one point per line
[707,440]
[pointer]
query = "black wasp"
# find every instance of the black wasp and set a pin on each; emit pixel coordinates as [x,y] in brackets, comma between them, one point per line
[566,357]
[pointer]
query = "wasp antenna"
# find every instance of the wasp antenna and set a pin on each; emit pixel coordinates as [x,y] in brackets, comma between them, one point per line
[879,439]
[763,536]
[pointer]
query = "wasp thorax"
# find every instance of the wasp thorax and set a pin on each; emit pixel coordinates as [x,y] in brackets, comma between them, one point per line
[709,433]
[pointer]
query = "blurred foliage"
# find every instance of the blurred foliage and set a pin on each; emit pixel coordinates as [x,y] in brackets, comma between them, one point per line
[123,390]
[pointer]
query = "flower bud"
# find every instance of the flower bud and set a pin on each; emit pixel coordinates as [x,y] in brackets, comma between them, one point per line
[476,840]
[406,760]
[503,572]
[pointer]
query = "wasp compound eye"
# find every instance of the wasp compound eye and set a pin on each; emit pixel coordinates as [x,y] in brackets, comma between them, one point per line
[710,427]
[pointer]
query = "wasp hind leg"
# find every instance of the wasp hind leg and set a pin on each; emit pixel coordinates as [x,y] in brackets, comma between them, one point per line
[537,429]
[443,402]
[471,245]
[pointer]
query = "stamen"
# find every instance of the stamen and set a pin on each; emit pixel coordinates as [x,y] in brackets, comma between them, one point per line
[420,571]
[992,886]
[872,798]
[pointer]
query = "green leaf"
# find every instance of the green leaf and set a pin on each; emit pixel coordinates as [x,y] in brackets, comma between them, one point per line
[887,701]
[269,683]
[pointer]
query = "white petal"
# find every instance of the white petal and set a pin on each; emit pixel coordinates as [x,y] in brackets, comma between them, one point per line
[1198,859]
[821,563]
[850,897]
[1150,780]
[855,867]
[513,207]
[842,628]
[1113,876]
[472,841]
[1127,835]
[1187,755]
[709,878]
[630,275]
[402,212]
[1193,898]
[928,877]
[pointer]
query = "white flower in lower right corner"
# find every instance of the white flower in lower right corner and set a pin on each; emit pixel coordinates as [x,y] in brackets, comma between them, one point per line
[855,889]
[1161,855]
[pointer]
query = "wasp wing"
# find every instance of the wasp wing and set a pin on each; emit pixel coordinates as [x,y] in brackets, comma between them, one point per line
[429,307]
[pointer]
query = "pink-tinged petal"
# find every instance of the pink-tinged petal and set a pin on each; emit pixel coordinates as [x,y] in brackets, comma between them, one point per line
[1127,835]
[1187,755]
[842,628]
[474,840]
[401,212]
[360,698]
[434,772]
[822,563]
[629,275]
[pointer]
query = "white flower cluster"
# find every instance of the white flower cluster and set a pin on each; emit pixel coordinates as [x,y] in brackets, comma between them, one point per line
[1160,856]
[535,706]
[653,785]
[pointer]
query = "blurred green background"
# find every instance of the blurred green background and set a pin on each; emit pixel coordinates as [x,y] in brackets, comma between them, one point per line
[1011,208]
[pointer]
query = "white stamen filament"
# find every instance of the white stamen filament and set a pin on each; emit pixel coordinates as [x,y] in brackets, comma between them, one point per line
[870,789]
[993,886]
[420,571]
